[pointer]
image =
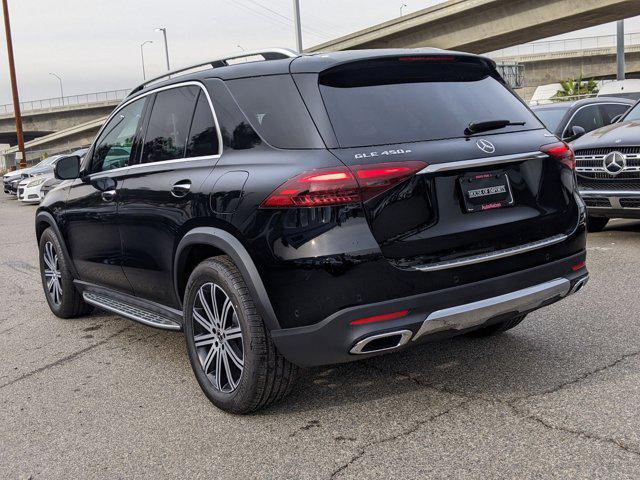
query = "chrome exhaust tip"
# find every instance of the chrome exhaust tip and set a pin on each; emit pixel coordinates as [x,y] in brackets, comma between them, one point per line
[579,284]
[382,342]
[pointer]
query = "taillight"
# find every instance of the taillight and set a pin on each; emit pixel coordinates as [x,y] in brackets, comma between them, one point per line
[340,185]
[562,152]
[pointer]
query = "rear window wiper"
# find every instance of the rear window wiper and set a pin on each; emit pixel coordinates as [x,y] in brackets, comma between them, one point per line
[477,127]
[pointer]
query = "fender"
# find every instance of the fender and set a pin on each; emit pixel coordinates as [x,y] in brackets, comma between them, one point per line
[45,217]
[231,246]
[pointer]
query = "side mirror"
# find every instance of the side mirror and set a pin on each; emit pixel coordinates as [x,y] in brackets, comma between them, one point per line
[576,132]
[67,168]
[617,118]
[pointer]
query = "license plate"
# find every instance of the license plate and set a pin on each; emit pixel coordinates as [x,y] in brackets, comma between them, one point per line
[486,191]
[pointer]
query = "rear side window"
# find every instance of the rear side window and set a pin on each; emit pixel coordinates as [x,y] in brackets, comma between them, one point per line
[203,136]
[169,123]
[612,110]
[276,111]
[416,98]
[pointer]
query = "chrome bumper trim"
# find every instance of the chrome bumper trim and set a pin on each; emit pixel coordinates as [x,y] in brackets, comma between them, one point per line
[487,257]
[610,193]
[472,314]
[481,162]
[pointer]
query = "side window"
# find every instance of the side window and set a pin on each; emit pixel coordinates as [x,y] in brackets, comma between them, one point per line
[166,136]
[589,118]
[203,137]
[114,147]
[612,110]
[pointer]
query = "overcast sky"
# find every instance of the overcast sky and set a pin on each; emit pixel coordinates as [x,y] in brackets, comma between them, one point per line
[94,45]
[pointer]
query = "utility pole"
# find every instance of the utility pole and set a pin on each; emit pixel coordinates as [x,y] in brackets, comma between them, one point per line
[14,84]
[166,47]
[297,24]
[144,73]
[61,91]
[620,49]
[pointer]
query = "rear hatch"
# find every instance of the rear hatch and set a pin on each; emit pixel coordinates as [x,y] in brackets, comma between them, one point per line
[466,193]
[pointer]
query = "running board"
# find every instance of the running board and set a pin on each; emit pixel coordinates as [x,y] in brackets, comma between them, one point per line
[129,311]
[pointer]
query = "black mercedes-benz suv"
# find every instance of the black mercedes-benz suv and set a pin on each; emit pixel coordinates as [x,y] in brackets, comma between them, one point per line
[291,210]
[608,170]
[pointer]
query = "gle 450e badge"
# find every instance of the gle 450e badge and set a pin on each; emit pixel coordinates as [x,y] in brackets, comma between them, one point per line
[381,154]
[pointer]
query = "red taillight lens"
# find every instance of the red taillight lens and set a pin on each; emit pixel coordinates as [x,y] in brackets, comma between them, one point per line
[380,318]
[561,152]
[340,185]
[579,266]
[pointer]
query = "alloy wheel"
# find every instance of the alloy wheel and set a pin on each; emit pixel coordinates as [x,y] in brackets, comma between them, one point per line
[52,273]
[217,336]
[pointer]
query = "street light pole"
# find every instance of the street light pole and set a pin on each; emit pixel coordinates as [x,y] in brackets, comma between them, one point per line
[14,85]
[61,92]
[404,5]
[144,73]
[166,47]
[297,24]
[620,51]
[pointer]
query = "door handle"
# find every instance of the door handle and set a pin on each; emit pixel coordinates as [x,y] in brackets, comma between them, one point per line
[109,195]
[181,189]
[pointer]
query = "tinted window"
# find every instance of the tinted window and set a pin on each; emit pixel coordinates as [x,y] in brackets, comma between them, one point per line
[412,99]
[276,111]
[114,147]
[612,110]
[589,118]
[203,137]
[634,114]
[166,136]
[551,117]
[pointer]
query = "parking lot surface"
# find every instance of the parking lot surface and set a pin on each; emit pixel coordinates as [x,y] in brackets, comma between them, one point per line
[101,396]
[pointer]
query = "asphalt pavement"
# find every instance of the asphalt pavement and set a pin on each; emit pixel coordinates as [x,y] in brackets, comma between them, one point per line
[103,397]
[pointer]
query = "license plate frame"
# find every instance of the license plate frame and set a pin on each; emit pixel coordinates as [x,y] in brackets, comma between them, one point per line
[485,191]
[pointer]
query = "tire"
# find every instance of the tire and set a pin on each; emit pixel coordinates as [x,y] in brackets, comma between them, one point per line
[497,328]
[596,224]
[262,376]
[61,294]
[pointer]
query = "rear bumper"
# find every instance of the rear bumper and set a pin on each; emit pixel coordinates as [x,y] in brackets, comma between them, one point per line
[432,316]
[612,203]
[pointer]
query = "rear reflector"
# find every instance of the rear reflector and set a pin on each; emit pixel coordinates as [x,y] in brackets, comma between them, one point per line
[340,185]
[380,318]
[561,152]
[578,266]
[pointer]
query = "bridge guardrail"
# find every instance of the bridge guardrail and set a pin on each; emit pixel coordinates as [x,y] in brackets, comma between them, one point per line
[79,100]
[565,45]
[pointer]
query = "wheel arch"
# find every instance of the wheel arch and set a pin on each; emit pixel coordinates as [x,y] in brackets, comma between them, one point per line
[45,220]
[216,240]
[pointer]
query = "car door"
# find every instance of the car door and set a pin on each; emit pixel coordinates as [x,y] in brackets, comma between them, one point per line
[91,227]
[162,195]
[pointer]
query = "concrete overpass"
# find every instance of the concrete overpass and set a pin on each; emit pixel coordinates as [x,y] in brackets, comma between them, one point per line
[480,26]
[65,140]
[38,123]
[597,63]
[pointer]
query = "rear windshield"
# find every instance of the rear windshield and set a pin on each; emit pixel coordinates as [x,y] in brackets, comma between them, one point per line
[551,116]
[411,99]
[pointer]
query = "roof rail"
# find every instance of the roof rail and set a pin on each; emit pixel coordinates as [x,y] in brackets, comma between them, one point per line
[267,54]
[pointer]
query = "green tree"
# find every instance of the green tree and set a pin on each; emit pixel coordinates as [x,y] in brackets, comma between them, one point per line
[576,87]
